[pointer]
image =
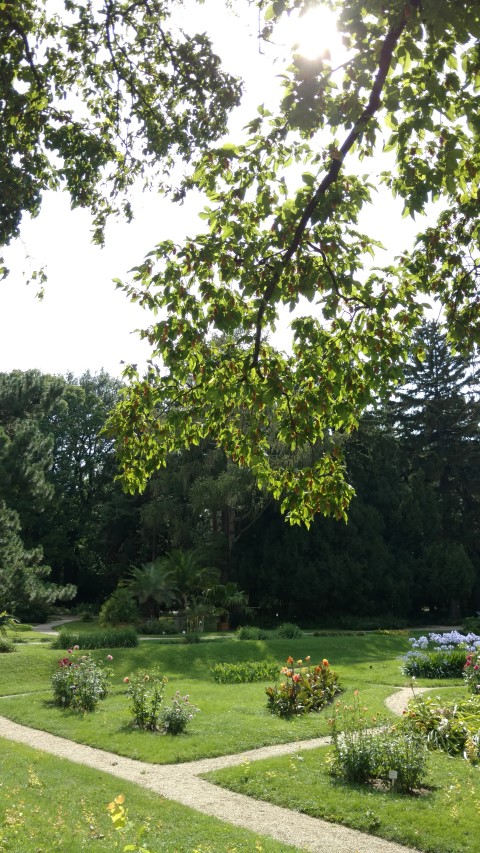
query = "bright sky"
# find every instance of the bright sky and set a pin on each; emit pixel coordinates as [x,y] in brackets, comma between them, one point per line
[83,322]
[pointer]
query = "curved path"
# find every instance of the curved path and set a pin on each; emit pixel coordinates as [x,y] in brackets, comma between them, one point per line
[181,783]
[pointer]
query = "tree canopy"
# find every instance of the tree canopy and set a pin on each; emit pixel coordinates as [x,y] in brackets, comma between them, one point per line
[96,94]
[409,86]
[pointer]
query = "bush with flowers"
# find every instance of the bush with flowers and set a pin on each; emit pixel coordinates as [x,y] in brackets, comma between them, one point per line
[305,688]
[471,672]
[440,655]
[146,697]
[79,682]
[362,754]
[176,716]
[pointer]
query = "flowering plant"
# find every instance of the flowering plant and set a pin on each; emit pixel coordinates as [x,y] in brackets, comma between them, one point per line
[471,672]
[176,716]
[146,697]
[439,655]
[80,683]
[305,688]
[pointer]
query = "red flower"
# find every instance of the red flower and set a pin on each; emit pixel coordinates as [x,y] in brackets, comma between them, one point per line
[289,660]
[325,662]
[296,678]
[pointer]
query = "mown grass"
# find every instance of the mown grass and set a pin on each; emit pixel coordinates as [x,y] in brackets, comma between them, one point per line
[233,718]
[48,804]
[442,818]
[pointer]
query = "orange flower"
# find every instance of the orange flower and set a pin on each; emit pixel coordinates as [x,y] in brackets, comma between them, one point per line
[289,660]
[308,659]
[325,662]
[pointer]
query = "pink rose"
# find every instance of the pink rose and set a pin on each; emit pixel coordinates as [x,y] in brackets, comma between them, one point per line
[76,648]
[126,680]
[69,651]
[109,657]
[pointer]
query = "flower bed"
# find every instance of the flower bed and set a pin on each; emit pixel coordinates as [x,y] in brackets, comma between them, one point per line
[440,655]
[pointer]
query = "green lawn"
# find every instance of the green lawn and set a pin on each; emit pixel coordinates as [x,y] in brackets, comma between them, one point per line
[442,819]
[233,718]
[48,804]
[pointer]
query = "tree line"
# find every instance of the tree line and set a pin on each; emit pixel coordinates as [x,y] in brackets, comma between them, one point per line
[411,545]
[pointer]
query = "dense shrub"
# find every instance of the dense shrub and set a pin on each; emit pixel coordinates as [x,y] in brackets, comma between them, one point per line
[307,689]
[6,646]
[453,727]
[251,632]
[119,609]
[471,672]
[362,754]
[245,672]
[79,683]
[166,625]
[191,637]
[107,638]
[288,631]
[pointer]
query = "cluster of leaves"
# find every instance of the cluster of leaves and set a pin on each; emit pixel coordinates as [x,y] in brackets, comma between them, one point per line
[111,638]
[452,727]
[410,76]
[96,95]
[308,688]
[146,693]
[245,672]
[79,683]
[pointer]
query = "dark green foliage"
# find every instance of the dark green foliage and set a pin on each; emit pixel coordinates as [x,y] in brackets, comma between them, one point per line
[436,664]
[288,631]
[245,672]
[6,645]
[111,638]
[190,638]
[472,623]
[251,632]
[119,609]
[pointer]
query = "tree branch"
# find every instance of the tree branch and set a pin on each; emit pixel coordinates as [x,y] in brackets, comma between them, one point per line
[374,101]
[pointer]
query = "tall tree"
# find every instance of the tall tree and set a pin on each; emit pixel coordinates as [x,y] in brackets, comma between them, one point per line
[25,457]
[408,85]
[437,415]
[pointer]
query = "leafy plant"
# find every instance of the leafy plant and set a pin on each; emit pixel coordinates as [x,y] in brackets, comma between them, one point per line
[288,631]
[251,632]
[245,672]
[108,638]
[177,714]
[7,621]
[362,754]
[79,683]
[120,608]
[146,696]
[6,645]
[309,688]
[453,727]
[190,638]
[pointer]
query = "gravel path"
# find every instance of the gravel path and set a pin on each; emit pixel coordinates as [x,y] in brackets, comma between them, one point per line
[181,783]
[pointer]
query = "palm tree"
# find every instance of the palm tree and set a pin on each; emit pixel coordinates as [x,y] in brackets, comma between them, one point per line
[224,597]
[191,579]
[153,584]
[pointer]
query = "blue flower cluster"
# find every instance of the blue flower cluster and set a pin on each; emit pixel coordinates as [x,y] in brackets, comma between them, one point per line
[446,641]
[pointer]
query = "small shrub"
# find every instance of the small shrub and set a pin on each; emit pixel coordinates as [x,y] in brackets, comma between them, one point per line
[191,637]
[106,638]
[251,632]
[288,631]
[146,698]
[6,646]
[308,689]
[453,727]
[245,672]
[471,672]
[362,754]
[79,683]
[177,714]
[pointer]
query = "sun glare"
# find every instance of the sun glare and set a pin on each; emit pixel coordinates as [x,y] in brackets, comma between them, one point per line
[314,34]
